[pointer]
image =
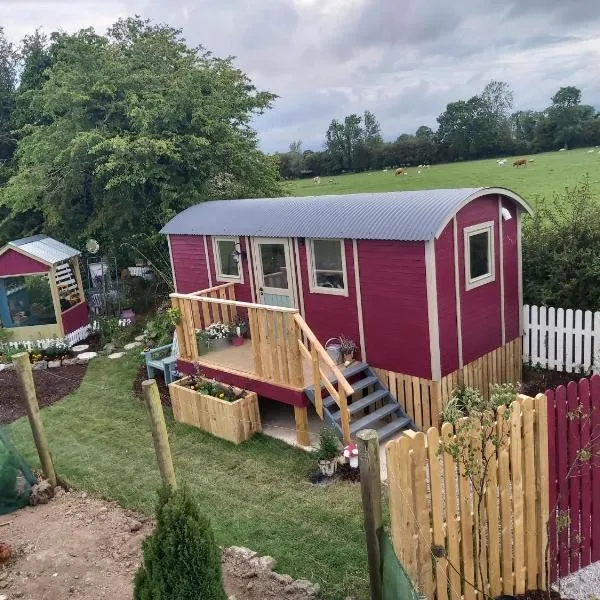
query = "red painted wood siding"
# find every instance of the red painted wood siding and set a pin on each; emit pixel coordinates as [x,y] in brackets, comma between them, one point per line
[243,291]
[75,317]
[446,293]
[326,314]
[189,263]
[480,307]
[15,263]
[511,273]
[394,300]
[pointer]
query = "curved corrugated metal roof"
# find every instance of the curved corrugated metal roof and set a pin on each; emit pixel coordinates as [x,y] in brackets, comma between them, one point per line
[45,248]
[410,215]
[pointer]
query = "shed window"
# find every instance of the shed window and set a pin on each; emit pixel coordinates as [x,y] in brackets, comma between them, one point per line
[328,267]
[227,258]
[26,301]
[479,254]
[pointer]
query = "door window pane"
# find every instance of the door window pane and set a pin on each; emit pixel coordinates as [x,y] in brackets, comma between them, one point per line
[328,264]
[274,266]
[227,263]
[29,301]
[479,254]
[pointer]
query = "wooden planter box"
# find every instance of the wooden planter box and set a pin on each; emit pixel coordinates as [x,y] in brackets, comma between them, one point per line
[233,421]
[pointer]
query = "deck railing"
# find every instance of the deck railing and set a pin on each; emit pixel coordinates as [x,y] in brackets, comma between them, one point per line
[282,343]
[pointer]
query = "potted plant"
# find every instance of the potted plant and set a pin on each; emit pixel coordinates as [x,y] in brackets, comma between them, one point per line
[219,335]
[202,341]
[328,453]
[347,349]
[351,454]
[238,331]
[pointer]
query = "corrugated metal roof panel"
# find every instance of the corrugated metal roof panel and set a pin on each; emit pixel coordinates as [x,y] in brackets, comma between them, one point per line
[45,248]
[410,215]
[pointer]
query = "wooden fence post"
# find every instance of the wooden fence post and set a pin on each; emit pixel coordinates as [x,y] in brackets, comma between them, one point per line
[370,484]
[24,371]
[159,432]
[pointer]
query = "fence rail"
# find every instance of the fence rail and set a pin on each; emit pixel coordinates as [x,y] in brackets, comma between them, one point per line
[561,339]
[434,505]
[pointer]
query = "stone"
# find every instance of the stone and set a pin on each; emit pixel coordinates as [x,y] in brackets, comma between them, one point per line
[7,367]
[244,553]
[263,563]
[52,364]
[134,526]
[80,348]
[116,355]
[281,578]
[249,586]
[69,361]
[39,365]
[85,356]
[139,338]
[132,345]
[41,493]
[303,585]
[3,597]
[109,348]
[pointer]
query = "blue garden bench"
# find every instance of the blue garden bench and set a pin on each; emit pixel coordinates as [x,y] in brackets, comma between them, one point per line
[163,358]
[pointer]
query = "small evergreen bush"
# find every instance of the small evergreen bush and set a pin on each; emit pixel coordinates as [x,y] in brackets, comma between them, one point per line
[181,558]
[329,444]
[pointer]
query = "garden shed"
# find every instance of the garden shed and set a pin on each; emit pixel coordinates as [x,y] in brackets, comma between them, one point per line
[41,292]
[427,282]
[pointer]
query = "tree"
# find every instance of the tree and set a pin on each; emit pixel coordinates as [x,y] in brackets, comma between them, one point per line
[567,97]
[129,129]
[342,141]
[181,558]
[424,132]
[8,77]
[371,130]
[498,98]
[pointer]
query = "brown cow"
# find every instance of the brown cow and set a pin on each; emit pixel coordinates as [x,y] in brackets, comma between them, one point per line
[400,172]
[520,162]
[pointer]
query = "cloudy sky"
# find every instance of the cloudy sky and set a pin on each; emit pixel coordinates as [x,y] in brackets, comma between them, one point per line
[404,60]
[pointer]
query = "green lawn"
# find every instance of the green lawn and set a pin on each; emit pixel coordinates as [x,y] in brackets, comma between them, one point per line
[551,172]
[256,494]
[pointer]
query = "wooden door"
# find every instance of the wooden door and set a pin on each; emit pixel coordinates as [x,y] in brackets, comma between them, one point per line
[275,277]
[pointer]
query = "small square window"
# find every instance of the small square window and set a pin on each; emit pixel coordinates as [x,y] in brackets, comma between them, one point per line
[328,267]
[226,259]
[479,255]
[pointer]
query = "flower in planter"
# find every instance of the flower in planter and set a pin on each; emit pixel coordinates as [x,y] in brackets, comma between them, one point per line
[218,331]
[351,455]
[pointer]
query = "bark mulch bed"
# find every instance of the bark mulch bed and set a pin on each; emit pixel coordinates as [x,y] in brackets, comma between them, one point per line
[540,595]
[51,385]
[537,381]
[163,390]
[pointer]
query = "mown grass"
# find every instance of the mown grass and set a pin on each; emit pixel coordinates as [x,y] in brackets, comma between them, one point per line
[551,172]
[256,494]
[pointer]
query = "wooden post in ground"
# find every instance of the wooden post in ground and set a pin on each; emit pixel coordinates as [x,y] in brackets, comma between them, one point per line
[159,432]
[301,417]
[24,371]
[370,484]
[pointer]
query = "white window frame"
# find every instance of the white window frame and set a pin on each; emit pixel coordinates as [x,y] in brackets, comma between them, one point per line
[474,282]
[217,259]
[310,261]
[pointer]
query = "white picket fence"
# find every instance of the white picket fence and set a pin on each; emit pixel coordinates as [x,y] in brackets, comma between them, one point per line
[69,340]
[561,339]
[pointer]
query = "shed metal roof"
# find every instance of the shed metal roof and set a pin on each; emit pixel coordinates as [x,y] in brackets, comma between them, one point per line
[44,248]
[408,215]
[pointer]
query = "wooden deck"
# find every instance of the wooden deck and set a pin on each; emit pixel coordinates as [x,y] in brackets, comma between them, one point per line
[240,359]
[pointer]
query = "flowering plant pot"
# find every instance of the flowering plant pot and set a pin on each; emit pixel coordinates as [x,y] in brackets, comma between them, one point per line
[218,343]
[328,467]
[238,340]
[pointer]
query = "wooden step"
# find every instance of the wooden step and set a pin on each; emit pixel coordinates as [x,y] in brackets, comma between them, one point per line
[361,384]
[362,403]
[393,427]
[371,418]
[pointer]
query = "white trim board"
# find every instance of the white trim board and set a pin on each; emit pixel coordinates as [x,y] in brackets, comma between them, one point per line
[432,310]
[359,310]
[208,267]
[457,290]
[501,257]
[172,263]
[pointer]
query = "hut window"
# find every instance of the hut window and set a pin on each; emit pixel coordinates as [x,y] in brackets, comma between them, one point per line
[327,264]
[26,301]
[227,263]
[479,255]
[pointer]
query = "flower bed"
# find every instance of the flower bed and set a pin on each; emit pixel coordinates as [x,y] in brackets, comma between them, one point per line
[226,412]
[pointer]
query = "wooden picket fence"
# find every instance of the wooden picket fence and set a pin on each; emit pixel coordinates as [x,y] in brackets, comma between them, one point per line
[433,509]
[561,339]
[574,462]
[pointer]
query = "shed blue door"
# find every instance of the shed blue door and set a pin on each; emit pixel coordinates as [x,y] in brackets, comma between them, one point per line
[274,272]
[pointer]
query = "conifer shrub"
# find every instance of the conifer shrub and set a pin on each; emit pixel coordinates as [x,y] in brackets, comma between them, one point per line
[181,558]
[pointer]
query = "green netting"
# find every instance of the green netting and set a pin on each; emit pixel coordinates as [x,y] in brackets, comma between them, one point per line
[396,583]
[16,477]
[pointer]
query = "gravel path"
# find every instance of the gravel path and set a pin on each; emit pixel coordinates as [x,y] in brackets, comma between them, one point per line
[583,585]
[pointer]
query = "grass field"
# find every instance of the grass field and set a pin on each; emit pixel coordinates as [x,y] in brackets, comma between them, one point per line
[551,172]
[256,494]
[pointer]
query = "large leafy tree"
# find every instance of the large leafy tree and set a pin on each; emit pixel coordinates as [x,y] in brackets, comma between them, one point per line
[125,130]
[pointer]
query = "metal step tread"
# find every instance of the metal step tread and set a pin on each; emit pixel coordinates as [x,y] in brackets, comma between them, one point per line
[367,420]
[391,428]
[362,403]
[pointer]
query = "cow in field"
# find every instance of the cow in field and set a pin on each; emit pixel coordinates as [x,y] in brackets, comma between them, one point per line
[400,172]
[520,162]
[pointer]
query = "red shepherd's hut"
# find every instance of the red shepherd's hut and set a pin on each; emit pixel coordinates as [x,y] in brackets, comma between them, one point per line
[41,293]
[427,282]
